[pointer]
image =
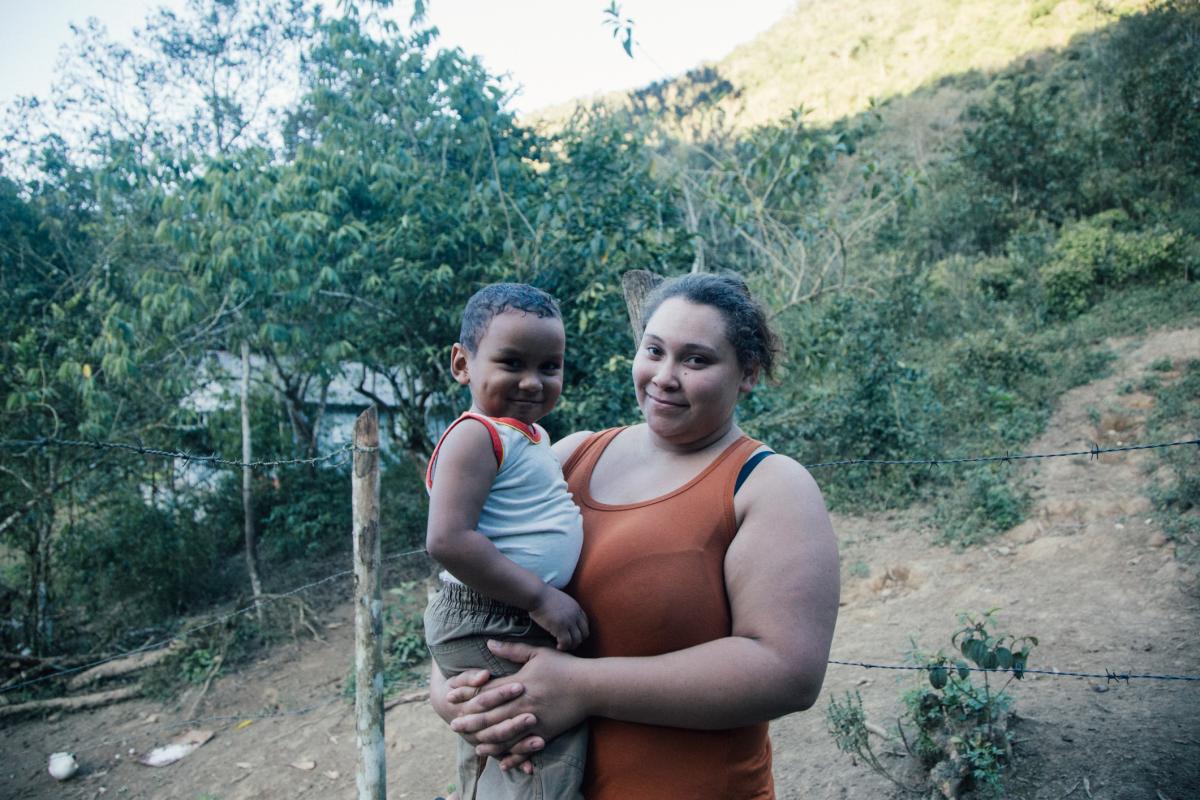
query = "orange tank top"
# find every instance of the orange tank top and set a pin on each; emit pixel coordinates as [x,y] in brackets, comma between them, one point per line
[651,580]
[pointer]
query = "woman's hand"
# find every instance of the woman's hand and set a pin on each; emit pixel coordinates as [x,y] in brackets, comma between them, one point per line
[550,702]
[469,693]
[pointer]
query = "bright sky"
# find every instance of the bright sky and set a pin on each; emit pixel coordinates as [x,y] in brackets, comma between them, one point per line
[554,49]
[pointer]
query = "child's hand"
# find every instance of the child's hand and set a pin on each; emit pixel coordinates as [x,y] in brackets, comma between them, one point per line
[559,614]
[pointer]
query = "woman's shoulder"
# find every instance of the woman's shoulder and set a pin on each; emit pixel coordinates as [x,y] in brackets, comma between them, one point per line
[565,447]
[780,505]
[778,475]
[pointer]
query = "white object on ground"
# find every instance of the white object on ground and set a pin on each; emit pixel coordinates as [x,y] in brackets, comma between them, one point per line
[62,766]
[180,747]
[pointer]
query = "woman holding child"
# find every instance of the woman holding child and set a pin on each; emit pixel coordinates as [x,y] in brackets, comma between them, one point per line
[708,576]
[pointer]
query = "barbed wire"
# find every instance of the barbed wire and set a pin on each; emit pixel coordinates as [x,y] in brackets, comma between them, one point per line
[242,719]
[43,442]
[1108,674]
[1094,452]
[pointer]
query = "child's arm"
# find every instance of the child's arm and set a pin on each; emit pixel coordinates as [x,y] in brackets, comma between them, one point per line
[465,468]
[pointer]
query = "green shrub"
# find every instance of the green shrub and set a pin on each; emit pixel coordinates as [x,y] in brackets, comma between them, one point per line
[1069,286]
[981,504]
[404,646]
[1177,499]
[1149,256]
[859,397]
[305,512]
[1000,278]
[957,729]
[966,280]
[1098,253]
[1162,365]
[152,560]
[1000,356]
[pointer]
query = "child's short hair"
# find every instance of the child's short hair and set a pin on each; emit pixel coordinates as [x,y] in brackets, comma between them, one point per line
[496,298]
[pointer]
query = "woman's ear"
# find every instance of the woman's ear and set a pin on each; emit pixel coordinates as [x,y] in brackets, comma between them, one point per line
[749,379]
[458,364]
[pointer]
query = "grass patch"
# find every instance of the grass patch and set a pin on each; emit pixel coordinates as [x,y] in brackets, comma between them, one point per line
[1176,417]
[404,647]
[986,500]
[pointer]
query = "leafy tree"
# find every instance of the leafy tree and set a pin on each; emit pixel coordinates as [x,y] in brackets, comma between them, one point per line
[73,368]
[1155,60]
[600,208]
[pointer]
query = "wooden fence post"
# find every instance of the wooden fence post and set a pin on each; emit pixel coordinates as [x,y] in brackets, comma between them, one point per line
[368,611]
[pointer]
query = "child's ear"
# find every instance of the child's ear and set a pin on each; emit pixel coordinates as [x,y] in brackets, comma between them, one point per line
[458,364]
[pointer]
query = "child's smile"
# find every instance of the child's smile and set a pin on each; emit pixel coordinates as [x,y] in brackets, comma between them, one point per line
[516,369]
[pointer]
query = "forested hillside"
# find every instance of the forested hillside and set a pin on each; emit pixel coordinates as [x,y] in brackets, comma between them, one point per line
[835,60]
[948,206]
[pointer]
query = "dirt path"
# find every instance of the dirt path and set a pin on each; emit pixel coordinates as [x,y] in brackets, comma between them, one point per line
[1088,573]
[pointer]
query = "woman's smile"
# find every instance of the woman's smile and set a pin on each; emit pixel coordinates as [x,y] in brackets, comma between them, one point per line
[686,373]
[666,403]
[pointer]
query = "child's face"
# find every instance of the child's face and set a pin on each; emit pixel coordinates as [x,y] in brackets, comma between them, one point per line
[516,370]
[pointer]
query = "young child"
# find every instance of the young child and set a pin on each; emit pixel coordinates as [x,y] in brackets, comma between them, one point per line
[502,523]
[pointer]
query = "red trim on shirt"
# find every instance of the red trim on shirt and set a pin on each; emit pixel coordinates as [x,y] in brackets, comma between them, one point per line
[497,444]
[531,432]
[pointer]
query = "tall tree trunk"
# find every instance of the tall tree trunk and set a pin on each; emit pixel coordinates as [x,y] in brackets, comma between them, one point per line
[248,486]
[45,629]
[692,223]
[43,525]
[318,418]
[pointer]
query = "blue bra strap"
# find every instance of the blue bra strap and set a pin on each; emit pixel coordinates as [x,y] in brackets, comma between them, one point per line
[749,466]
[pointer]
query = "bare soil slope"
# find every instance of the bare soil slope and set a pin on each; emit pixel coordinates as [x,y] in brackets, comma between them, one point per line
[1089,573]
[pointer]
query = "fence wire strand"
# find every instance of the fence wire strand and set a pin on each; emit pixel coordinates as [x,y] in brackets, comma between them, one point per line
[1093,452]
[1107,675]
[43,442]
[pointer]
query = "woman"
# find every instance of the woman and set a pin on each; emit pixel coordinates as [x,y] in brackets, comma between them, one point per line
[709,578]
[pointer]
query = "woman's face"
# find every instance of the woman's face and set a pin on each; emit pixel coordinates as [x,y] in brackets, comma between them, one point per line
[686,373]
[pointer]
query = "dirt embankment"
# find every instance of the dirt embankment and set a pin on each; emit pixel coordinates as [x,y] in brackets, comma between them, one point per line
[1089,573]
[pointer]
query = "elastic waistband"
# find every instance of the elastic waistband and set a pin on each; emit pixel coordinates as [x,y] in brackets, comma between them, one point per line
[462,596]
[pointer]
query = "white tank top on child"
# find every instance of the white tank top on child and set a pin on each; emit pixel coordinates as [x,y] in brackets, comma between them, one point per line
[528,514]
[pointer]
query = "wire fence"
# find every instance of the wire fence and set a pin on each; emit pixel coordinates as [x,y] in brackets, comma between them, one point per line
[1107,674]
[1093,453]
[339,456]
[42,442]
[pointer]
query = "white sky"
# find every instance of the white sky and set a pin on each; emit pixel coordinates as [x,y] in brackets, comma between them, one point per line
[554,49]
